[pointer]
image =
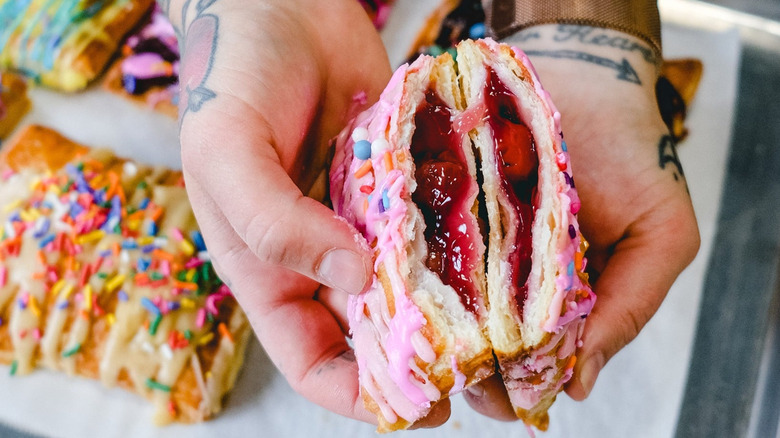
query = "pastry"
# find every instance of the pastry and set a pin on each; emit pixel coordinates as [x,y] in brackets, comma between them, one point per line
[64,44]
[378,10]
[675,90]
[538,290]
[104,275]
[450,23]
[148,70]
[454,155]
[14,103]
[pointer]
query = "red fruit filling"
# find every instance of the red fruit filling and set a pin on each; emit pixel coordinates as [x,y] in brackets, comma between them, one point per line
[517,165]
[444,189]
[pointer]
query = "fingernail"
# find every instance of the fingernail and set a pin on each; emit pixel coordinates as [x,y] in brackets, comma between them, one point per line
[590,371]
[344,270]
[476,390]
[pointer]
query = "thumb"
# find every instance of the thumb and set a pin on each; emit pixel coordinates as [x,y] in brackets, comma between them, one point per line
[278,224]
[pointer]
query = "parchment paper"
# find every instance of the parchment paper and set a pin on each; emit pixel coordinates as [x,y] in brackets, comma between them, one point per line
[638,394]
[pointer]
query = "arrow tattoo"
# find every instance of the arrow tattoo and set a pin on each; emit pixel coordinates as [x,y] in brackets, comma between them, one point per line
[624,69]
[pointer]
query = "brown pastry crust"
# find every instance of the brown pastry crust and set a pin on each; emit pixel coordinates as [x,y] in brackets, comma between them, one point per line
[85,54]
[113,83]
[14,103]
[209,360]
[675,90]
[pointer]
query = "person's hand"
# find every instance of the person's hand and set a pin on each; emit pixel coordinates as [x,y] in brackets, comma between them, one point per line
[636,210]
[264,86]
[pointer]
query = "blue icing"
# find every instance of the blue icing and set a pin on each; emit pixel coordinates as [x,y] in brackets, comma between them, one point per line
[55,21]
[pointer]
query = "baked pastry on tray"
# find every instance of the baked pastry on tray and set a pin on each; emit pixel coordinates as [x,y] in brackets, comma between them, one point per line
[148,69]
[104,275]
[453,156]
[378,10]
[64,44]
[14,103]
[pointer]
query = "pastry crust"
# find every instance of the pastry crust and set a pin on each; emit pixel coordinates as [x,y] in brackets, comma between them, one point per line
[14,103]
[104,275]
[152,98]
[65,45]
[161,98]
[675,90]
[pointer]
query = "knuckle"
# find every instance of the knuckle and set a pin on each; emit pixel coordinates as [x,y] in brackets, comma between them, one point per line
[268,236]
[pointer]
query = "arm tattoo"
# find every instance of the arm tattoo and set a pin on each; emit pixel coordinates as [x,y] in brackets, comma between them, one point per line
[667,155]
[624,70]
[198,44]
[566,34]
[601,37]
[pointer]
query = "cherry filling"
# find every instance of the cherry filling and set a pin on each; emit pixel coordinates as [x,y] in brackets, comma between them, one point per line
[517,166]
[443,190]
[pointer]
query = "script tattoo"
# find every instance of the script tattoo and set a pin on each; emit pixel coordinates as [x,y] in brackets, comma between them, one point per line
[667,154]
[199,44]
[604,38]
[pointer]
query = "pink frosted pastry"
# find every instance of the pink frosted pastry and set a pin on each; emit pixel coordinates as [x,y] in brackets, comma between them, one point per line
[537,286]
[460,182]
[378,10]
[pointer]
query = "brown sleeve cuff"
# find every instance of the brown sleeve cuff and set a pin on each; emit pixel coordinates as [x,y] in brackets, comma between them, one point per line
[636,17]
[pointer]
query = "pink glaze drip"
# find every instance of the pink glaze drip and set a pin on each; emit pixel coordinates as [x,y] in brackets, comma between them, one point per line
[146,65]
[460,378]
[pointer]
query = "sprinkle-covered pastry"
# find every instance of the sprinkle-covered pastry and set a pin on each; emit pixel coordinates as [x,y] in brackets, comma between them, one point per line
[452,22]
[378,10]
[148,71]
[64,44]
[14,103]
[104,274]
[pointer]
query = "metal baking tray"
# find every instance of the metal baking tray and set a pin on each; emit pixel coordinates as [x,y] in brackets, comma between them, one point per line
[733,386]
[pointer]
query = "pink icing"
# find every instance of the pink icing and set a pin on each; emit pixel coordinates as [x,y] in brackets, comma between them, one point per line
[146,65]
[460,378]
[388,346]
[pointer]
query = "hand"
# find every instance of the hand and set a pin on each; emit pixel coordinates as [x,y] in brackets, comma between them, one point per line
[636,210]
[265,85]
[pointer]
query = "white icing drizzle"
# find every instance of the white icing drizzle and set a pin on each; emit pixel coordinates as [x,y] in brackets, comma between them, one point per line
[153,332]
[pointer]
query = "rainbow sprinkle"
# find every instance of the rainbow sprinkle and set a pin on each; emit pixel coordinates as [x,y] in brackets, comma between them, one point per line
[153,384]
[84,209]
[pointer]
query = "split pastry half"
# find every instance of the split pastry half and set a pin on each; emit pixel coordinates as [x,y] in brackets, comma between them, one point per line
[407,181]
[538,290]
[103,274]
[64,44]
